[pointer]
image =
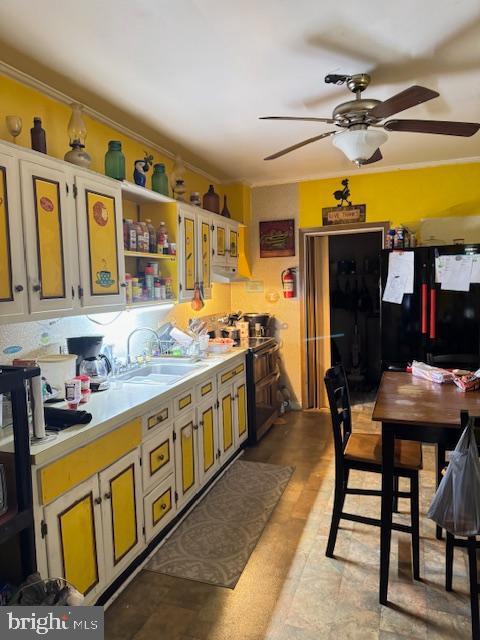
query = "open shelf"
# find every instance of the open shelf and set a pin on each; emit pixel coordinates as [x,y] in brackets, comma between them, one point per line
[151,303]
[135,193]
[150,256]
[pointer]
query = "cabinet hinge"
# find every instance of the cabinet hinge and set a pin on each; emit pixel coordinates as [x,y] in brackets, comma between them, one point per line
[80,291]
[180,286]
[43,528]
[66,188]
[140,460]
[213,252]
[73,291]
[176,496]
[75,191]
[217,405]
[143,530]
[179,219]
[174,436]
[212,227]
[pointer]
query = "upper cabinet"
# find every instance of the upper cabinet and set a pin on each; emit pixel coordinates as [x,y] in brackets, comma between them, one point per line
[61,239]
[188,252]
[50,238]
[225,242]
[100,241]
[13,282]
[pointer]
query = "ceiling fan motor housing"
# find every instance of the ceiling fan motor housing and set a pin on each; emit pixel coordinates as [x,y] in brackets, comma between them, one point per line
[355,111]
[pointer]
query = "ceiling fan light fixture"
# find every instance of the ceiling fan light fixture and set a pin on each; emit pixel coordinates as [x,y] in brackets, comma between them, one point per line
[359,144]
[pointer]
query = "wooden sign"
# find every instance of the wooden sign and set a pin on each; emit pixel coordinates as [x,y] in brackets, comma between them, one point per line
[343,215]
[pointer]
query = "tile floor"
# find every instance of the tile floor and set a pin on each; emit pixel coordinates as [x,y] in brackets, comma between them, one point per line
[289,589]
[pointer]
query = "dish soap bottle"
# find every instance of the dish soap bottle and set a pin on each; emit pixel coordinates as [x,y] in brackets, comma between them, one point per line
[38,136]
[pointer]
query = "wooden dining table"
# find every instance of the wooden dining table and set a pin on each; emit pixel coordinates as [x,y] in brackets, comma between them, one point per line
[412,408]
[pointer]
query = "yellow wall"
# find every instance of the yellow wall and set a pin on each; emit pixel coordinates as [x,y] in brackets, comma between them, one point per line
[401,197]
[20,100]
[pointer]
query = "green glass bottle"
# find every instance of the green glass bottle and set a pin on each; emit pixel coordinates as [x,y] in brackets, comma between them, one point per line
[115,161]
[159,179]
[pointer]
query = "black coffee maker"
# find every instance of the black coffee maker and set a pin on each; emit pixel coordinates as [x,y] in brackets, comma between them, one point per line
[90,361]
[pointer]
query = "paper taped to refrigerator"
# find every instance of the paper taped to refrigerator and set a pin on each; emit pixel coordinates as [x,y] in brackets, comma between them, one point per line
[400,279]
[456,272]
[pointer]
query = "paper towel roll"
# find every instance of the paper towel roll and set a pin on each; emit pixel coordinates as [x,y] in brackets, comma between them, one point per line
[37,408]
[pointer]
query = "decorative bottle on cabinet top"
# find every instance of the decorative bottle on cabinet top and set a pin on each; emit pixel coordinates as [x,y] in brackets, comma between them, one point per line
[211,201]
[38,136]
[159,179]
[115,161]
[225,212]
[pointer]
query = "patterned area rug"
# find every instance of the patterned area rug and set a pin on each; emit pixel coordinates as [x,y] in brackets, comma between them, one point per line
[214,542]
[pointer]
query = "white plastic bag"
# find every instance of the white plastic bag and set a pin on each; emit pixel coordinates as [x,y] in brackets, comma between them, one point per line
[456,504]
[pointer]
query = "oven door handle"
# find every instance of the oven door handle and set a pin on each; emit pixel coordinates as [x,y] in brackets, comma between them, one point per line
[264,382]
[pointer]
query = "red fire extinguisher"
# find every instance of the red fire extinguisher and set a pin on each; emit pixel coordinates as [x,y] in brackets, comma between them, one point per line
[289,282]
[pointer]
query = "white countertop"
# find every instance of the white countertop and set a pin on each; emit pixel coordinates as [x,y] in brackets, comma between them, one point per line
[113,407]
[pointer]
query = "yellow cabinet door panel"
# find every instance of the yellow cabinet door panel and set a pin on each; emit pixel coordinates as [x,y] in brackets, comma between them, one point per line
[74,538]
[208,447]
[157,457]
[186,448]
[50,237]
[159,507]
[100,239]
[227,420]
[241,416]
[13,281]
[120,492]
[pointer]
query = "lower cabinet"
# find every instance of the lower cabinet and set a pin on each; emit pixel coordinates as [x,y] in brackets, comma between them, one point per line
[74,538]
[94,530]
[159,507]
[120,492]
[240,417]
[225,418]
[186,457]
[208,446]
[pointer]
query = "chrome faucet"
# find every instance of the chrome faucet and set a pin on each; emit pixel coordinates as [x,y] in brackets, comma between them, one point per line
[129,360]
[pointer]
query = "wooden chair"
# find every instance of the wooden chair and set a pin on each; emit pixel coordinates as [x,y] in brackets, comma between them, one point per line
[363,452]
[471,544]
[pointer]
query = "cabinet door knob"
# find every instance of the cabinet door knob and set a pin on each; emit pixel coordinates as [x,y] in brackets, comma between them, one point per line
[161,457]
[201,423]
[19,287]
[195,426]
[163,506]
[107,496]
[123,284]
[98,500]
[37,287]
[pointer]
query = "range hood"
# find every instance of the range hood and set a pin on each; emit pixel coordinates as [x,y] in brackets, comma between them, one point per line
[226,275]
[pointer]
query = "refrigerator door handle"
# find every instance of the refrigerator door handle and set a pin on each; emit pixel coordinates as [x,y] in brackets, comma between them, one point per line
[424,307]
[433,313]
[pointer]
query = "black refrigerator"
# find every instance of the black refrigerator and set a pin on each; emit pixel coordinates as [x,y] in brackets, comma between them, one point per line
[431,325]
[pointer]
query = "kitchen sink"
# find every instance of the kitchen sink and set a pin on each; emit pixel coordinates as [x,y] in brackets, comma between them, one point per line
[165,373]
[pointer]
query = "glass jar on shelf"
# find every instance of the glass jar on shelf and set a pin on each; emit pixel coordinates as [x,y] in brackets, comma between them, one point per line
[115,161]
[160,179]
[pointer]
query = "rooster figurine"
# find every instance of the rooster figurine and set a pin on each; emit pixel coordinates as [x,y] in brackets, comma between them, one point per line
[343,194]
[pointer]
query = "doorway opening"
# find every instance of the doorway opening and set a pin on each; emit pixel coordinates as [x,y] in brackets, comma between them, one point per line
[341,309]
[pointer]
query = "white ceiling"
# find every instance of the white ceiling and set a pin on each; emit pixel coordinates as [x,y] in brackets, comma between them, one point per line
[200,72]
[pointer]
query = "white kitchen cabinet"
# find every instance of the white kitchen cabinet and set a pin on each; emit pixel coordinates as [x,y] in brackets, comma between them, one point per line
[100,242]
[50,238]
[186,457]
[208,444]
[157,457]
[122,517]
[159,507]
[74,538]
[195,251]
[220,234]
[232,244]
[240,420]
[13,280]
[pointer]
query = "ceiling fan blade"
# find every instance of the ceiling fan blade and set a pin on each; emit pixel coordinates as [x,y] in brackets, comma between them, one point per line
[377,155]
[443,127]
[404,100]
[306,119]
[298,145]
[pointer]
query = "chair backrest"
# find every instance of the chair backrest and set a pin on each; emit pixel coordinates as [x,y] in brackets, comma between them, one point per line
[339,402]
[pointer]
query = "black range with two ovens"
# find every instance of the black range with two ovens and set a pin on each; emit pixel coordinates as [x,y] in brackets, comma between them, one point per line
[263,372]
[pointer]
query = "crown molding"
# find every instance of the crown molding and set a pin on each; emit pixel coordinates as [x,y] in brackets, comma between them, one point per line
[364,171]
[63,98]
